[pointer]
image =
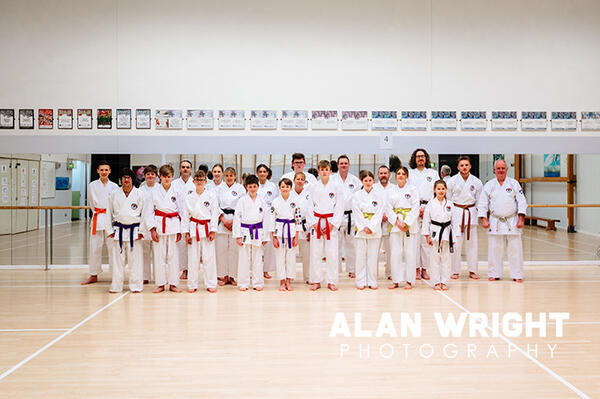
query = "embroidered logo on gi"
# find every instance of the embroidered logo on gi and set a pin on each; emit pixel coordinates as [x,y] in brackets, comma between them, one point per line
[173,199]
[307,197]
[331,195]
[134,206]
[269,193]
[272,209]
[234,193]
[260,209]
[407,196]
[429,179]
[351,185]
[190,191]
[206,204]
[292,205]
[508,190]
[472,188]
[374,203]
[520,191]
[448,208]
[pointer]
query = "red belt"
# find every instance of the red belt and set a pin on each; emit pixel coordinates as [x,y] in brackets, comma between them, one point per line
[165,216]
[465,208]
[203,222]
[95,219]
[321,217]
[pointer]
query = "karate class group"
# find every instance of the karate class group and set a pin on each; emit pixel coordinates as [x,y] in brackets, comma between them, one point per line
[242,234]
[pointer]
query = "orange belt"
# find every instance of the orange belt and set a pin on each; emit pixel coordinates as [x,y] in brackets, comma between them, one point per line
[165,216]
[321,217]
[203,222]
[95,219]
[465,208]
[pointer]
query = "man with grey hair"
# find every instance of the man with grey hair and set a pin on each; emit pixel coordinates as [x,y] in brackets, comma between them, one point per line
[445,172]
[506,203]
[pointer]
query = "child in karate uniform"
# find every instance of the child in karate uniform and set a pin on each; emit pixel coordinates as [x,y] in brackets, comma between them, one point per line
[368,207]
[284,234]
[199,222]
[250,235]
[301,197]
[440,226]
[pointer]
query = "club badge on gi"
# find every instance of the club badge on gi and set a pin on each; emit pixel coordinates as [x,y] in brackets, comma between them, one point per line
[331,195]
[206,204]
[407,196]
[173,199]
[134,206]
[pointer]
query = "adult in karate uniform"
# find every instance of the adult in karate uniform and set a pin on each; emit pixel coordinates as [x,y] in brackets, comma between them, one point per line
[506,203]
[268,191]
[227,250]
[127,210]
[163,219]
[350,185]
[403,207]
[217,180]
[301,198]
[325,212]
[422,177]
[384,185]
[184,184]
[199,223]
[368,207]
[298,164]
[99,192]
[150,177]
[464,190]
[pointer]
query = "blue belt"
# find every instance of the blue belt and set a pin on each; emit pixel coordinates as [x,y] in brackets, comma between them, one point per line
[131,228]
[287,222]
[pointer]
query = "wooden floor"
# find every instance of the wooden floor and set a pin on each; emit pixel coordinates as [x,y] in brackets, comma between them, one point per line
[61,340]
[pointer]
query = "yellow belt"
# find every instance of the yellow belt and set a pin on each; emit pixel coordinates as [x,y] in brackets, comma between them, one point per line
[366,215]
[404,212]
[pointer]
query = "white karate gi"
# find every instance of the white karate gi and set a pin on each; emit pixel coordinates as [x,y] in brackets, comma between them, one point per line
[184,189]
[423,181]
[147,240]
[505,202]
[268,192]
[204,207]
[367,245]
[325,199]
[440,256]
[128,211]
[346,241]
[406,197]
[385,237]
[309,178]
[98,195]
[285,255]
[304,228]
[226,248]
[250,211]
[465,193]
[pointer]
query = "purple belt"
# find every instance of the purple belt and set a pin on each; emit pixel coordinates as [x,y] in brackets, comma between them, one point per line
[286,222]
[253,227]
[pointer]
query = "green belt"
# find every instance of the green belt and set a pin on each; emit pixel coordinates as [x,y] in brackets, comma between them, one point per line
[404,212]
[366,216]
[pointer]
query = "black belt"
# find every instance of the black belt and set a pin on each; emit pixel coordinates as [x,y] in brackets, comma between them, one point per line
[349,213]
[304,225]
[423,202]
[443,227]
[228,211]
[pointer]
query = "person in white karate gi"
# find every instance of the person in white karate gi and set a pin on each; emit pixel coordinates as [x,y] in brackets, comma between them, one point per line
[368,207]
[445,173]
[350,185]
[403,208]
[422,177]
[384,185]
[251,236]
[325,213]
[298,164]
[99,192]
[284,234]
[226,247]
[504,199]
[301,197]
[440,227]
[150,180]
[268,191]
[163,220]
[126,207]
[464,190]
[199,223]
[185,185]
[215,183]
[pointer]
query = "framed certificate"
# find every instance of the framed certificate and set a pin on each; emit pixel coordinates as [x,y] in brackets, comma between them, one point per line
[533,121]
[104,118]
[294,119]
[200,119]
[504,120]
[65,118]
[84,118]
[232,119]
[324,120]
[473,120]
[414,120]
[26,119]
[355,120]
[443,120]
[45,118]
[384,120]
[590,121]
[169,119]
[564,121]
[143,118]
[7,118]
[123,118]
[263,119]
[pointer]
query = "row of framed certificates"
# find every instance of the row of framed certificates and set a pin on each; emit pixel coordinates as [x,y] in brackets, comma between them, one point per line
[296,119]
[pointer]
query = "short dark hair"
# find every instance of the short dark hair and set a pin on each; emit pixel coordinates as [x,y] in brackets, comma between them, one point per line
[298,155]
[324,164]
[464,158]
[269,171]
[127,172]
[334,166]
[402,168]
[203,168]
[185,160]
[200,174]
[312,171]
[251,179]
[151,169]
[413,158]
[217,165]
[365,173]
[285,181]
[103,162]
[343,156]
[383,167]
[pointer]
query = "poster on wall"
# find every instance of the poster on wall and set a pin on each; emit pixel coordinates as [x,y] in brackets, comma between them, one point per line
[533,121]
[104,118]
[7,118]
[232,119]
[84,118]
[473,120]
[384,120]
[414,120]
[294,119]
[566,121]
[45,118]
[551,165]
[26,119]
[200,119]
[324,120]
[142,118]
[590,121]
[263,119]
[443,120]
[169,118]
[355,120]
[504,120]
[123,118]
[65,118]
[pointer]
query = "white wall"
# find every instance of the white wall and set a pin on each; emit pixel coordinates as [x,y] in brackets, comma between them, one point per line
[61,197]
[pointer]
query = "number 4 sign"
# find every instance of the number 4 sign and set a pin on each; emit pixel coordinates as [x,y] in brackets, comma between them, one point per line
[386,140]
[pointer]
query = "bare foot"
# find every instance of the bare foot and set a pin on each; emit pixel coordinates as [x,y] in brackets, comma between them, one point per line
[424,274]
[174,288]
[221,283]
[455,276]
[267,275]
[183,275]
[418,273]
[444,287]
[243,289]
[518,280]
[288,284]
[437,287]
[362,287]
[332,287]
[352,275]
[146,282]
[232,282]
[389,277]
[491,279]
[473,275]
[136,292]
[258,288]
[191,291]
[158,289]
[282,287]
[90,280]
[315,287]
[211,290]
[408,286]
[114,292]
[373,287]
[393,286]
